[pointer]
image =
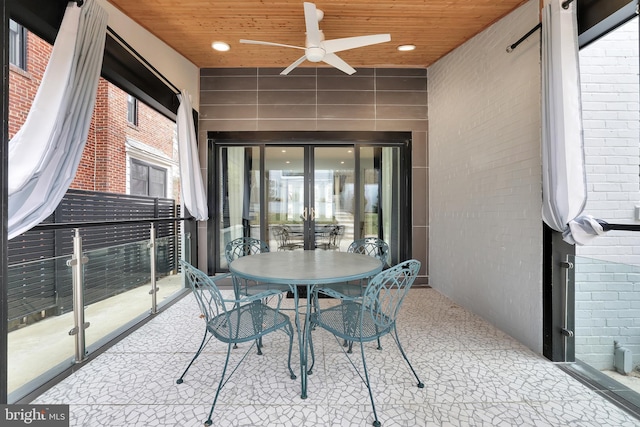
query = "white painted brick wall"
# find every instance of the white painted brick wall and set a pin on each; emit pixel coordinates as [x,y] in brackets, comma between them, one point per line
[609,76]
[608,292]
[485,243]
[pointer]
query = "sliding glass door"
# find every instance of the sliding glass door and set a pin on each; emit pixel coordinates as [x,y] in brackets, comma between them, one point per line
[310,196]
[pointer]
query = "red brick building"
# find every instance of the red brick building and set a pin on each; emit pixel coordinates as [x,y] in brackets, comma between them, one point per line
[130,148]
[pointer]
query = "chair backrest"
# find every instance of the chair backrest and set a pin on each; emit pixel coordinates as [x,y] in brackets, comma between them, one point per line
[243,246]
[386,291]
[372,246]
[281,233]
[205,290]
[336,235]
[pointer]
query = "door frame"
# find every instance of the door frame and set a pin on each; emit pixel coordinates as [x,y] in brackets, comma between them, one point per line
[300,138]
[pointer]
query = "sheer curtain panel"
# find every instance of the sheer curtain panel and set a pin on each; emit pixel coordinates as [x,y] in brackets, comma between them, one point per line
[564,189]
[45,153]
[192,187]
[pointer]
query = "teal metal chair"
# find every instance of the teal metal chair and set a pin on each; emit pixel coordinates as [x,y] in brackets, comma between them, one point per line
[233,321]
[243,246]
[246,246]
[369,317]
[372,246]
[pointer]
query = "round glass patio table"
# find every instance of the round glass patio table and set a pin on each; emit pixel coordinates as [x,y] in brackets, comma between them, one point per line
[305,268]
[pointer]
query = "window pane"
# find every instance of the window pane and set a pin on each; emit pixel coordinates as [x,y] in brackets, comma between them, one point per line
[132,110]
[17,44]
[139,179]
[157,180]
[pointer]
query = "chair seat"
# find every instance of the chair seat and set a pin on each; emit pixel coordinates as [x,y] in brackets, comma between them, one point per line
[343,320]
[256,288]
[353,288]
[246,323]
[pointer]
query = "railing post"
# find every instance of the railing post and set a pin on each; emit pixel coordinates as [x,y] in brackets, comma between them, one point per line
[80,325]
[154,286]
[569,304]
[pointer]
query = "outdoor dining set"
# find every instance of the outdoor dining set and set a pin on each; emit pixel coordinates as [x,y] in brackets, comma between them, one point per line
[366,298]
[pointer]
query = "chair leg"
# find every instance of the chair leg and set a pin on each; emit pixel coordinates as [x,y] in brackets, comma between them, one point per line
[220,385]
[420,383]
[313,355]
[202,344]
[290,333]
[376,423]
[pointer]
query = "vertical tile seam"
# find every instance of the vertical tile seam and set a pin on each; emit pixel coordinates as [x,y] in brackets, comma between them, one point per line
[257,98]
[375,97]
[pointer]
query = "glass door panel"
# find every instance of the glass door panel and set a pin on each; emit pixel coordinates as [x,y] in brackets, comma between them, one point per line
[286,207]
[297,197]
[333,197]
[379,204]
[239,204]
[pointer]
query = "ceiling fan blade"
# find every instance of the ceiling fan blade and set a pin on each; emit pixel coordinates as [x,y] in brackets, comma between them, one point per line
[269,43]
[336,61]
[314,36]
[337,45]
[294,65]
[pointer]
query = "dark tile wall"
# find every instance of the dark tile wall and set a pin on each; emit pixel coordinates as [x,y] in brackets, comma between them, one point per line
[309,99]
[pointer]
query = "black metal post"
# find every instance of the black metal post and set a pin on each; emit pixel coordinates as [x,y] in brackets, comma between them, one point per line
[4,176]
[555,253]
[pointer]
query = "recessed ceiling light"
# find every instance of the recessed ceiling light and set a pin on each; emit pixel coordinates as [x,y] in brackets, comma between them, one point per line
[220,46]
[406,47]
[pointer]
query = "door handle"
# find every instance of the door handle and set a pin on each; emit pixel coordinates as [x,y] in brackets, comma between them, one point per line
[305,213]
[313,214]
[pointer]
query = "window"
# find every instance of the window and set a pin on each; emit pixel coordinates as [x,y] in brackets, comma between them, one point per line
[132,110]
[17,45]
[147,179]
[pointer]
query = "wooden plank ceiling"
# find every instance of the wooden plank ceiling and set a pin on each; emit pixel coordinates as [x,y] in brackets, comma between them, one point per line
[435,27]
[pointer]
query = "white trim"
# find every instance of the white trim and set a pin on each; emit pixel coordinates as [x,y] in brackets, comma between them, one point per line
[143,152]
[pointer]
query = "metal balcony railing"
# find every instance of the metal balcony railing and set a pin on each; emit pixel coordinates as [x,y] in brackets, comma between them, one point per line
[98,294]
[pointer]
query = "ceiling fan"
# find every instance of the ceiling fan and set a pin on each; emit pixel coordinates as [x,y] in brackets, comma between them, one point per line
[318,49]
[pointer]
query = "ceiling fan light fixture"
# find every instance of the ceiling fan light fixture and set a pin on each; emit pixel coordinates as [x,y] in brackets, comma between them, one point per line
[315,54]
[406,47]
[220,46]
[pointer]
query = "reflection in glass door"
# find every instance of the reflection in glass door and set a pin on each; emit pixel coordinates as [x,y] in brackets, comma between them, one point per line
[333,197]
[286,205]
[312,197]
[238,196]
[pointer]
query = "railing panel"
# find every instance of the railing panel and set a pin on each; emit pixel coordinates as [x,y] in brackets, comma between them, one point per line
[170,281]
[109,263]
[109,308]
[35,348]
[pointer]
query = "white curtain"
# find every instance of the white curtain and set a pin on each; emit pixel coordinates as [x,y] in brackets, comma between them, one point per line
[387,190]
[563,167]
[235,189]
[192,187]
[45,153]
